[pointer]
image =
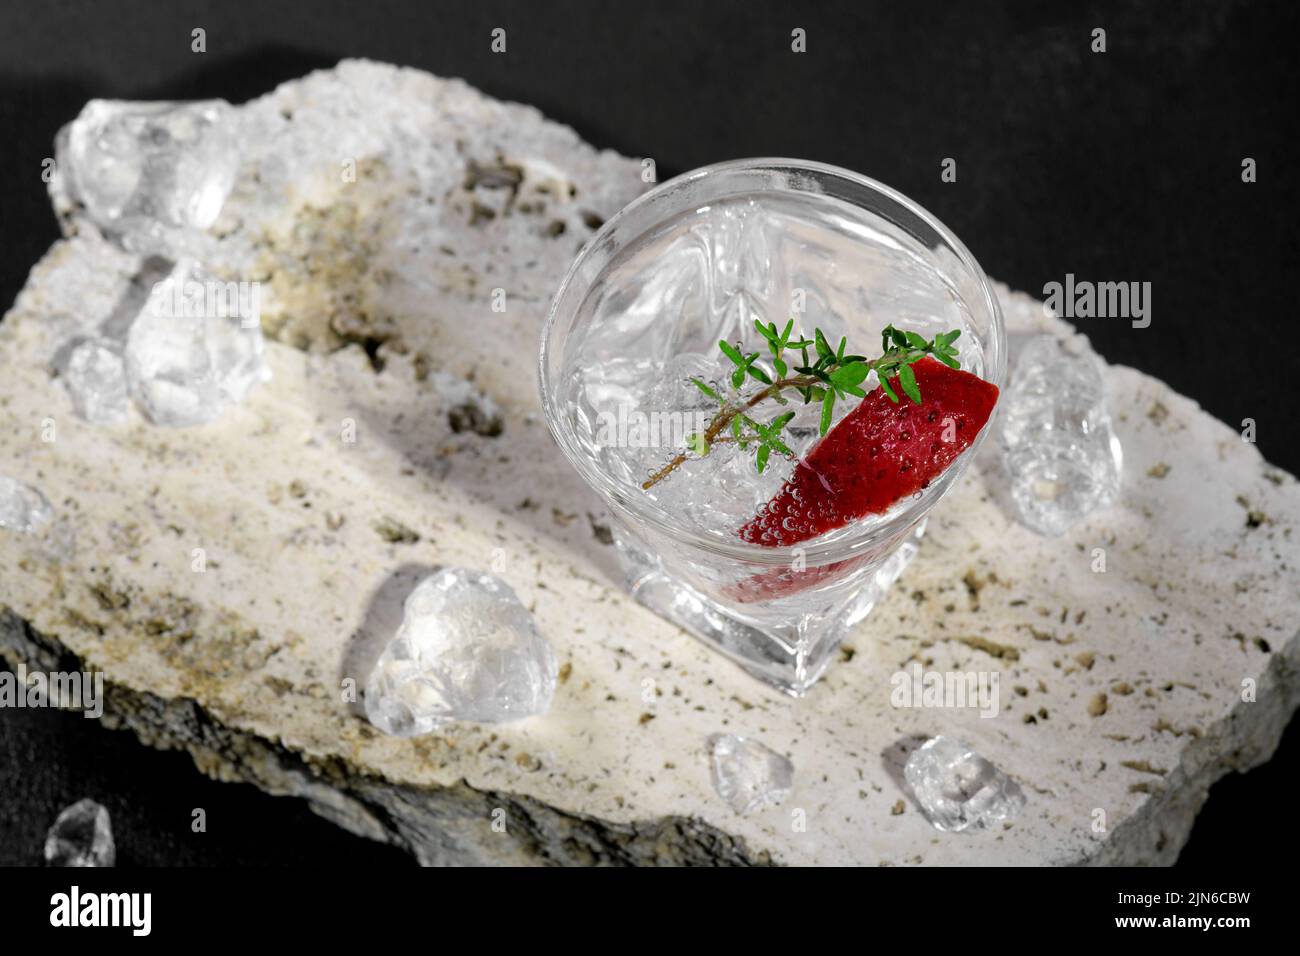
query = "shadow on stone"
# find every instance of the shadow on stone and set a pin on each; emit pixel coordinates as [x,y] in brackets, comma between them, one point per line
[894,758]
[383,618]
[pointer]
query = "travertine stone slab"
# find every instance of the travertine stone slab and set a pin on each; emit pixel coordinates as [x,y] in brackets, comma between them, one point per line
[319,502]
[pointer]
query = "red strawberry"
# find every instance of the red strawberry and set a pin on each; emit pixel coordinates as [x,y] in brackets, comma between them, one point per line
[879,453]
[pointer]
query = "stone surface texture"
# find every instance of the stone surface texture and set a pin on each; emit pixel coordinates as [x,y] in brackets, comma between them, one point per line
[320,502]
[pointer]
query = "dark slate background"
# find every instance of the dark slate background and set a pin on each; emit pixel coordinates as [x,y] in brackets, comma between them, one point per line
[1122,166]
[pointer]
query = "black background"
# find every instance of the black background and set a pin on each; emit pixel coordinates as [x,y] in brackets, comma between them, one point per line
[1117,166]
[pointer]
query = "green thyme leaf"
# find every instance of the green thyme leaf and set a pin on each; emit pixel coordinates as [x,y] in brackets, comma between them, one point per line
[828,404]
[731,352]
[907,378]
[947,360]
[706,390]
[847,375]
[889,392]
[823,350]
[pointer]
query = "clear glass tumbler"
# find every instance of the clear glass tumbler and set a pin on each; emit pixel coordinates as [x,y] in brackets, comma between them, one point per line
[641,312]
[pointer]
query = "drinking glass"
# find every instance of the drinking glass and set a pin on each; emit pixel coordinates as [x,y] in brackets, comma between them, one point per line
[640,313]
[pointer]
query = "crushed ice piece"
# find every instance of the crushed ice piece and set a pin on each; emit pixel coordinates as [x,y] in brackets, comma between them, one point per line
[747,774]
[81,836]
[1063,459]
[467,649]
[95,377]
[148,172]
[195,349]
[724,488]
[22,507]
[957,789]
[670,409]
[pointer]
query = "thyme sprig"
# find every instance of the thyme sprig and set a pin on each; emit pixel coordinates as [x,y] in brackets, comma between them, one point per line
[833,376]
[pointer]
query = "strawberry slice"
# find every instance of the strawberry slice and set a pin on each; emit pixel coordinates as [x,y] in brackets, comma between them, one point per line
[879,453]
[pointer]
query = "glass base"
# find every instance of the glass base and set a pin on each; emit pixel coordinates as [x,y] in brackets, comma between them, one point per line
[785,646]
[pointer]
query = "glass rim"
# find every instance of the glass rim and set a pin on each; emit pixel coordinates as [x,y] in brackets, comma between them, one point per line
[813,551]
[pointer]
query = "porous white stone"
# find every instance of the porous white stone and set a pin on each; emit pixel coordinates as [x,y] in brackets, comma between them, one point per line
[323,499]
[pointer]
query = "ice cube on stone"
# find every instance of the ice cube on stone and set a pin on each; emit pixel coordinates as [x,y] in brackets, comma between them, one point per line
[22,507]
[467,649]
[81,836]
[957,789]
[1063,459]
[749,775]
[150,172]
[95,377]
[195,349]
